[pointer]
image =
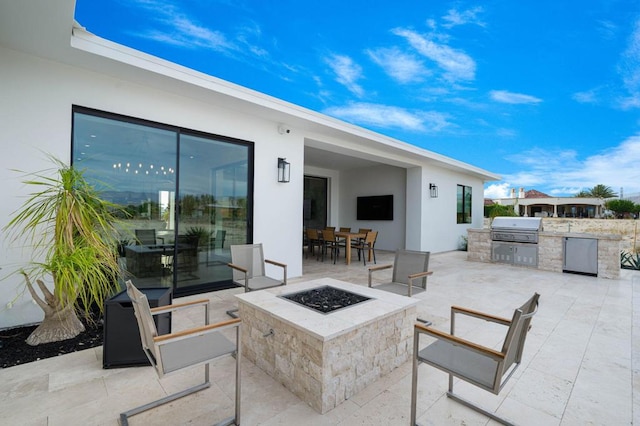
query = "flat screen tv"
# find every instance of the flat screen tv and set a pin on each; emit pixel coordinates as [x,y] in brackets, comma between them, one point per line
[377,207]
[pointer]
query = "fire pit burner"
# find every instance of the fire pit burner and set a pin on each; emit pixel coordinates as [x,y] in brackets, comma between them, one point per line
[325,299]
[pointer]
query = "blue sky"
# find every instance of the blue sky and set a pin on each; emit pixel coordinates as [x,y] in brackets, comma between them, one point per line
[544,93]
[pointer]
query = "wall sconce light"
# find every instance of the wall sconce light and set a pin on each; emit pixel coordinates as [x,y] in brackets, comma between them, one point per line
[284,170]
[433,190]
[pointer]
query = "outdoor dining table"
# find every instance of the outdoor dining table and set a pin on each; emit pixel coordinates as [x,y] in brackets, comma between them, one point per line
[348,236]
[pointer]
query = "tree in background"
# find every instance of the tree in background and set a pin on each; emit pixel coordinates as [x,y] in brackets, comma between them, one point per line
[622,207]
[598,191]
[495,210]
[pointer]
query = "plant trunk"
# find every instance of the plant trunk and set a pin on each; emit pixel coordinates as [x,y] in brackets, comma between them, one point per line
[57,325]
[60,322]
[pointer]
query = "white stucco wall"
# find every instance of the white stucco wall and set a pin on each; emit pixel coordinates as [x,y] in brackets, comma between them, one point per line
[440,232]
[35,111]
[377,180]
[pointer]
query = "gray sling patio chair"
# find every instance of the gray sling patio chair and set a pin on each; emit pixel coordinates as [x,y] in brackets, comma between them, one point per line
[410,272]
[147,237]
[173,352]
[479,365]
[248,266]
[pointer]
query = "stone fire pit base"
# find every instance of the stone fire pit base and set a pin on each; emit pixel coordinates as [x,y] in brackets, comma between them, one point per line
[325,359]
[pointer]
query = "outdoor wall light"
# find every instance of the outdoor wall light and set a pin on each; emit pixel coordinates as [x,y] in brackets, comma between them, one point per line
[284,170]
[433,190]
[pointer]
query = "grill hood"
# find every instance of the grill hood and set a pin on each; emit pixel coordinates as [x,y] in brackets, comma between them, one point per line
[524,224]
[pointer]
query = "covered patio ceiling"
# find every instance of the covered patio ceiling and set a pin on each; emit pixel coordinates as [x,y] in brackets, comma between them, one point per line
[315,157]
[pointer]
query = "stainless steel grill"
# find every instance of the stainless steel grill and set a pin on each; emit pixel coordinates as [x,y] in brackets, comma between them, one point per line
[516,229]
[515,240]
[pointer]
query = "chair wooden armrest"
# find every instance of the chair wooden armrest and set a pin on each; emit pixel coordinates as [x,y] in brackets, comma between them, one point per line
[282,265]
[176,306]
[420,275]
[273,262]
[166,338]
[480,315]
[483,350]
[377,268]
[239,268]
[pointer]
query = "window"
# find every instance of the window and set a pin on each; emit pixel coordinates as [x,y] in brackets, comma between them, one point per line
[191,191]
[464,204]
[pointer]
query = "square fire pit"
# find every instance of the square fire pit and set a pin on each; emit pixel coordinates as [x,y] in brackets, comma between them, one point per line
[325,358]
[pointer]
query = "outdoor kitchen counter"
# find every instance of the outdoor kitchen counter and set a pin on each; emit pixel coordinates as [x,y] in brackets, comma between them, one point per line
[550,250]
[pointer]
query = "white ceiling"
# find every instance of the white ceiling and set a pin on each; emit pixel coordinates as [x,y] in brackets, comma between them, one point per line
[333,161]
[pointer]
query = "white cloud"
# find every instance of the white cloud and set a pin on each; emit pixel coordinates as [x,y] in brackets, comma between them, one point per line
[178,29]
[587,97]
[562,173]
[513,98]
[399,65]
[456,64]
[347,72]
[629,70]
[497,190]
[470,16]
[607,29]
[385,116]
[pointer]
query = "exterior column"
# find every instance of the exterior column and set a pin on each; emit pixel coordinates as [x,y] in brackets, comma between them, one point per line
[555,210]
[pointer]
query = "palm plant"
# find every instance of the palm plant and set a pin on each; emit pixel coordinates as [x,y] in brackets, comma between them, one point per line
[603,191]
[71,228]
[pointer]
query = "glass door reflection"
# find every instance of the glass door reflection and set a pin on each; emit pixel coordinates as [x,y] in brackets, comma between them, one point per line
[211,211]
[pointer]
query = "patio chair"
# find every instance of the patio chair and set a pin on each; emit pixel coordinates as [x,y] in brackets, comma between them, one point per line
[248,267]
[366,245]
[313,241]
[479,365]
[173,352]
[408,267]
[147,237]
[328,242]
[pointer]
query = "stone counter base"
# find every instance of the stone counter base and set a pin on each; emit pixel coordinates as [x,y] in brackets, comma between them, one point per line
[550,250]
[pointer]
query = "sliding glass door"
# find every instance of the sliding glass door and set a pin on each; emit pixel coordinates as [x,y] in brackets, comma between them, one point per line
[187,196]
[212,208]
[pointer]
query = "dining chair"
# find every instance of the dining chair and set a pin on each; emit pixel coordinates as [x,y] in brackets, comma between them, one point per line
[329,243]
[313,241]
[366,246]
[360,231]
[482,366]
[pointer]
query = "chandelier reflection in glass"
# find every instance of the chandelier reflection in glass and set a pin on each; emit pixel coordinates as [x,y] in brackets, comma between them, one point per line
[143,169]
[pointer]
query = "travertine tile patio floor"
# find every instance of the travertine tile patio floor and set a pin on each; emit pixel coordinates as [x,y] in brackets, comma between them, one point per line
[581,363]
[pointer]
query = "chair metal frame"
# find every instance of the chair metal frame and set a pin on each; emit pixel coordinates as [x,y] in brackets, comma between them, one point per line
[500,364]
[155,346]
[254,270]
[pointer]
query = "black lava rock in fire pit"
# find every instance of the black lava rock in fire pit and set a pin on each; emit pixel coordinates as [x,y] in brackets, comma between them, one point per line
[326,299]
